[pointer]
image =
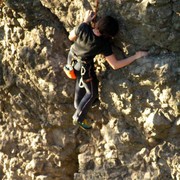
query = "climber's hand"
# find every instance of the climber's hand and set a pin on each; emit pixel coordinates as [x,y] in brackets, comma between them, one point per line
[140,54]
[89,16]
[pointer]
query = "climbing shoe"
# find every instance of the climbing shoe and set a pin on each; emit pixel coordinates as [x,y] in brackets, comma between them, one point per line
[84,124]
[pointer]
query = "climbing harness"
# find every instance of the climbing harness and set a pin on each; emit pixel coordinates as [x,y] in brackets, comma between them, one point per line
[68,68]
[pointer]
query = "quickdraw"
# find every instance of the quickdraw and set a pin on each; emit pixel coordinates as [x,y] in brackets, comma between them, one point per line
[82,81]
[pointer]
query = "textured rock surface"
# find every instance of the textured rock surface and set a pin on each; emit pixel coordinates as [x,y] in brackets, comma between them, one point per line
[137,127]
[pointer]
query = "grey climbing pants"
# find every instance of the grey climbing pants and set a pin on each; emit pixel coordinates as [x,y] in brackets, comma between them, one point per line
[86,91]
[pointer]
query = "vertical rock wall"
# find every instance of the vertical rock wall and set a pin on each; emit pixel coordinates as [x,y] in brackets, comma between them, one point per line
[136,127]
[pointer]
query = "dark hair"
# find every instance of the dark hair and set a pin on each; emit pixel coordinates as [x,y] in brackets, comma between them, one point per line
[108,26]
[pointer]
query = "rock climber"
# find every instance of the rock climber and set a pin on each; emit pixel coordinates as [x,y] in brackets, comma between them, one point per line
[88,42]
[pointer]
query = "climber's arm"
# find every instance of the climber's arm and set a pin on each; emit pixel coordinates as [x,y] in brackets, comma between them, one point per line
[116,64]
[89,16]
[72,35]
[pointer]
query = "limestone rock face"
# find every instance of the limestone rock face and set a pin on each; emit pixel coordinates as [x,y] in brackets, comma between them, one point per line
[136,127]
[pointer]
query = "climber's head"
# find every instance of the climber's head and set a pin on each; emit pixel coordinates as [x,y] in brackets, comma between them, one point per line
[107,26]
